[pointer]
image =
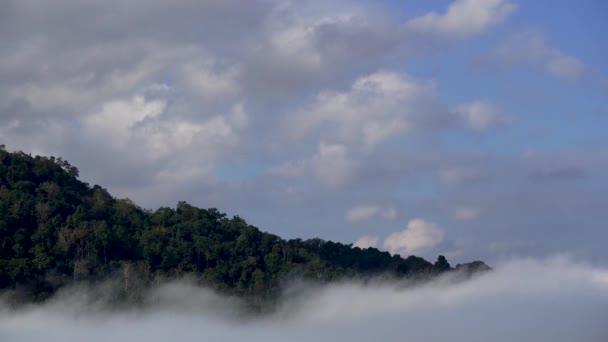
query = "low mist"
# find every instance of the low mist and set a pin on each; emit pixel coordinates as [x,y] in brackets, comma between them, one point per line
[525,300]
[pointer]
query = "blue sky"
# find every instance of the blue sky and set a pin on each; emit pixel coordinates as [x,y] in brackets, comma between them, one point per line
[470,128]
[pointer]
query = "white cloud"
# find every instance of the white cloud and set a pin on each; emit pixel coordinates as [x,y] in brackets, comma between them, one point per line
[334,45]
[171,135]
[176,89]
[376,108]
[296,45]
[140,128]
[114,122]
[418,236]
[464,18]
[480,115]
[466,213]
[523,301]
[165,137]
[366,242]
[95,73]
[367,212]
[530,49]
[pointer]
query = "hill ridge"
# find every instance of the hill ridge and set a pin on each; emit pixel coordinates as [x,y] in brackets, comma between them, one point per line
[56,230]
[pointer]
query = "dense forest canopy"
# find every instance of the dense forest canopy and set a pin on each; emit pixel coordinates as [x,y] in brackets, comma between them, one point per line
[56,230]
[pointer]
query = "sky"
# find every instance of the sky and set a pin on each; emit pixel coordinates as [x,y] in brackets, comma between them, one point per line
[468,128]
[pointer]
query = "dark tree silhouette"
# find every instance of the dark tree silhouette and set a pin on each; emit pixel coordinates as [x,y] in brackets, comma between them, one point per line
[55,229]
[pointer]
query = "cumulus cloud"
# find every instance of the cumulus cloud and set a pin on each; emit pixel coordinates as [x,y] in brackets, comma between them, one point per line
[367,212]
[524,300]
[147,86]
[366,242]
[146,127]
[464,18]
[418,236]
[163,93]
[376,108]
[530,49]
[116,118]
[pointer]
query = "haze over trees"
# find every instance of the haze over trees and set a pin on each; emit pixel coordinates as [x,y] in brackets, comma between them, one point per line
[56,230]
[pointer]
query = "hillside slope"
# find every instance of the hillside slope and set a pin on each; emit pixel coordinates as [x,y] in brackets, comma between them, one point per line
[55,230]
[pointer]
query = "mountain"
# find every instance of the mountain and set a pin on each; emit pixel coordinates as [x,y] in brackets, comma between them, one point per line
[56,230]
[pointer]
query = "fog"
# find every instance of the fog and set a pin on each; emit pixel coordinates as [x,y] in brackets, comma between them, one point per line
[554,299]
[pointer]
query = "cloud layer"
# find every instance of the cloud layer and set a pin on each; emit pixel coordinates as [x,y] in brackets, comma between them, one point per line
[525,300]
[530,49]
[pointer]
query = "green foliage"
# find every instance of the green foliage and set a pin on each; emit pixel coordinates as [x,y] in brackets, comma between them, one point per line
[442,264]
[53,225]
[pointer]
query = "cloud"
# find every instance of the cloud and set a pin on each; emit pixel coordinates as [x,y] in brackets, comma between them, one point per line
[162,94]
[367,212]
[62,89]
[304,106]
[114,122]
[418,236]
[366,242]
[362,213]
[480,116]
[522,300]
[204,79]
[143,126]
[530,49]
[375,108]
[466,213]
[332,165]
[464,18]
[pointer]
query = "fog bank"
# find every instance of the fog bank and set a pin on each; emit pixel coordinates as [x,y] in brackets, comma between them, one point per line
[525,300]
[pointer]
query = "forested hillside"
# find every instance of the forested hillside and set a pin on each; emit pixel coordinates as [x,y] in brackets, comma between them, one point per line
[56,230]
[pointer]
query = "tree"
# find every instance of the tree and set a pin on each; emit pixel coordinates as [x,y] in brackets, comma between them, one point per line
[442,265]
[52,225]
